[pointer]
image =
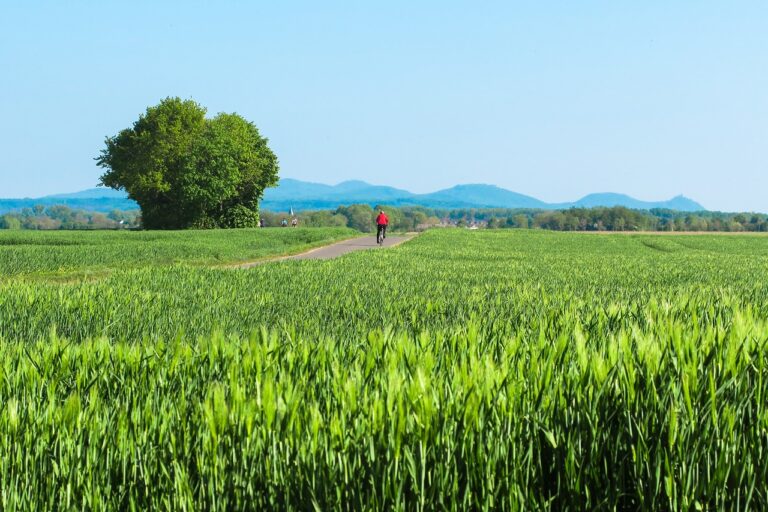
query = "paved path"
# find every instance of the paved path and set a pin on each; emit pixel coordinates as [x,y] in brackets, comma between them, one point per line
[337,249]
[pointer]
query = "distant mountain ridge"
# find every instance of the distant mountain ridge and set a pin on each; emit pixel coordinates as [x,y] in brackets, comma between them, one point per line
[303,195]
[95,200]
[679,202]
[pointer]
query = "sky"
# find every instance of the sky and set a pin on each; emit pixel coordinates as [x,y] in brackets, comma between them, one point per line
[554,99]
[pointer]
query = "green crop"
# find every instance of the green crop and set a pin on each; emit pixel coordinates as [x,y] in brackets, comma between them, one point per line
[485,370]
[67,253]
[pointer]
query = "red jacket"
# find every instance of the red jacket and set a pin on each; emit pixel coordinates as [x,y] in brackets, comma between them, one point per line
[382,220]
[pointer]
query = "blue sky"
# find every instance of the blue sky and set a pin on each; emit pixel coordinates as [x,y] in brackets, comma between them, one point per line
[555,99]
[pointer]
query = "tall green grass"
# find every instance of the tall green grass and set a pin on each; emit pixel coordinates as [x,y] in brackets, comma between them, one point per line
[496,371]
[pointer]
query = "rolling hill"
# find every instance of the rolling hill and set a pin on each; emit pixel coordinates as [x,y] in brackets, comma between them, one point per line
[302,195]
[95,199]
[480,195]
[679,202]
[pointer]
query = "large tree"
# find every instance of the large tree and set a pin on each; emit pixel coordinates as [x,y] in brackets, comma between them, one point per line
[188,171]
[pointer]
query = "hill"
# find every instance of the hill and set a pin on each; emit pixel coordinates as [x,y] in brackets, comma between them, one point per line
[680,203]
[92,193]
[303,195]
[95,199]
[479,195]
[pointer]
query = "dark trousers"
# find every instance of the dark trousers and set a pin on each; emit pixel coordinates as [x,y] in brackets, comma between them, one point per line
[381,229]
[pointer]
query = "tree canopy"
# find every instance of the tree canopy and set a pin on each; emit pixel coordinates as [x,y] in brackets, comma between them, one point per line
[187,171]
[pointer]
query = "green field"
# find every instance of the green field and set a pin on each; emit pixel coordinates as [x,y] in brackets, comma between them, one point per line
[72,253]
[462,370]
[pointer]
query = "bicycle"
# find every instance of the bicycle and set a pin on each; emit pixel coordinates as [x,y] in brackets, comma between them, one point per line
[381,234]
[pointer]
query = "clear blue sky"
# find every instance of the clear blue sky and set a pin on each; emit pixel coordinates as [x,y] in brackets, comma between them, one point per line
[555,99]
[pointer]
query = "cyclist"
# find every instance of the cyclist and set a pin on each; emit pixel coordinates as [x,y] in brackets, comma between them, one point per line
[382,221]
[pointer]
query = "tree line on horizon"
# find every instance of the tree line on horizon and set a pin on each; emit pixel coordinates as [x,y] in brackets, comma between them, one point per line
[414,218]
[618,218]
[61,217]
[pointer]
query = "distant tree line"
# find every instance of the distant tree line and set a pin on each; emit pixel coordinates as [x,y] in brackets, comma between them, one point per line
[357,216]
[63,217]
[415,218]
[619,218]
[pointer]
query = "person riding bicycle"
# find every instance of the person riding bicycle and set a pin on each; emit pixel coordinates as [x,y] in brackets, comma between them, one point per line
[382,221]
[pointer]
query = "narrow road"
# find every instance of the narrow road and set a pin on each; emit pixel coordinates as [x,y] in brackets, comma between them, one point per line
[335,250]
